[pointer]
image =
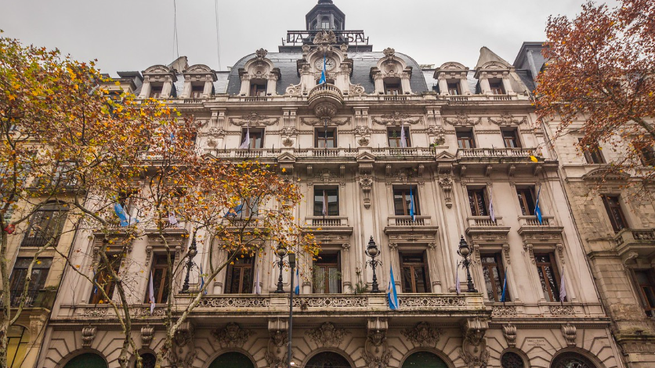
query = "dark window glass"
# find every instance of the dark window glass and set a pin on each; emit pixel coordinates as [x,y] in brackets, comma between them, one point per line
[453,88]
[645,152]
[327,274]
[494,276]
[258,87]
[548,276]
[403,198]
[478,202]
[326,202]
[19,276]
[613,207]
[160,282]
[147,360]
[197,90]
[424,359]
[104,280]
[592,154]
[394,135]
[526,200]
[572,360]
[18,339]
[496,87]
[327,360]
[155,91]
[256,138]
[465,139]
[646,281]
[45,226]
[414,273]
[392,87]
[511,360]
[510,138]
[325,138]
[240,276]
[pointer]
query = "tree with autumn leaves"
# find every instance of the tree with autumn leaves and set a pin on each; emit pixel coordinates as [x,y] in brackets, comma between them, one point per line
[120,170]
[601,74]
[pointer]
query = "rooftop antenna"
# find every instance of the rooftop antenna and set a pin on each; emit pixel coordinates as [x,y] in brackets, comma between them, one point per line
[218,40]
[176,47]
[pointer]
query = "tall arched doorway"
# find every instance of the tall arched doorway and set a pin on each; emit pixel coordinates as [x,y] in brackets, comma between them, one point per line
[424,359]
[328,360]
[572,360]
[232,360]
[88,360]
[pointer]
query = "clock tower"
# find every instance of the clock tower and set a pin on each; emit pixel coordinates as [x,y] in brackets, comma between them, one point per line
[325,16]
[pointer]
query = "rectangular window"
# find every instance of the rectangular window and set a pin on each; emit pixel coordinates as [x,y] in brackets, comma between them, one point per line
[64,175]
[326,201]
[155,91]
[256,137]
[548,276]
[645,152]
[258,88]
[526,200]
[325,138]
[392,87]
[197,90]
[453,88]
[327,274]
[465,139]
[496,86]
[646,282]
[613,207]
[160,282]
[19,276]
[395,135]
[45,226]
[403,199]
[414,270]
[510,138]
[494,276]
[239,278]
[592,153]
[104,280]
[478,202]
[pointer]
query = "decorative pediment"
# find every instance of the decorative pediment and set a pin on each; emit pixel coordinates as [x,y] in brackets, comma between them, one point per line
[325,38]
[445,155]
[286,157]
[451,70]
[396,119]
[605,174]
[494,65]
[254,120]
[322,122]
[462,120]
[199,69]
[365,157]
[327,335]
[508,120]
[158,69]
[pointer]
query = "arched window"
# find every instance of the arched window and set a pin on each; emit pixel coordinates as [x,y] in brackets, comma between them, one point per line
[147,360]
[18,337]
[45,226]
[328,360]
[325,23]
[511,360]
[232,360]
[571,360]
[423,359]
[88,360]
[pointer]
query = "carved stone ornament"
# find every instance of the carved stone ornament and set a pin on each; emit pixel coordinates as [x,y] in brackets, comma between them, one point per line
[389,52]
[183,352]
[214,132]
[462,120]
[325,38]
[508,120]
[276,353]
[446,185]
[147,333]
[396,119]
[561,310]
[327,334]
[366,182]
[504,311]
[474,348]
[321,122]
[325,110]
[88,335]
[570,333]
[357,90]
[376,349]
[254,120]
[261,53]
[437,134]
[232,335]
[509,331]
[423,334]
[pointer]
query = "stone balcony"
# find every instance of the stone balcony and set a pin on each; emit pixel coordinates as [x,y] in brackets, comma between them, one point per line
[495,154]
[405,224]
[325,93]
[483,227]
[404,154]
[328,224]
[548,231]
[635,243]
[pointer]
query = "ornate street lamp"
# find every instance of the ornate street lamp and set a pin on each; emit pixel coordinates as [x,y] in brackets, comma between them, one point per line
[373,251]
[281,252]
[292,265]
[465,251]
[193,250]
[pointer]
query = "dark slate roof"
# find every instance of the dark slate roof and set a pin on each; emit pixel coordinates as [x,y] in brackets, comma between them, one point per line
[526,78]
[362,64]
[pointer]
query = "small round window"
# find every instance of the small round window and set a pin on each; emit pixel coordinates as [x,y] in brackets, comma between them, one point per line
[511,360]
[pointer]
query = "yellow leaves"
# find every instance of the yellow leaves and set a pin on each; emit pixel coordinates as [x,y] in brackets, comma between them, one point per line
[534,159]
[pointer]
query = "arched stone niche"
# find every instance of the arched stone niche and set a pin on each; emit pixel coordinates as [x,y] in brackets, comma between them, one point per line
[452,78]
[259,76]
[198,81]
[158,82]
[391,74]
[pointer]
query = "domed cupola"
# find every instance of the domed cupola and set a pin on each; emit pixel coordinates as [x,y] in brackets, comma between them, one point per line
[325,16]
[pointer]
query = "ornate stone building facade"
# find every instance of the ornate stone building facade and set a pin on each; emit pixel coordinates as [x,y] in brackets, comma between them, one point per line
[415,159]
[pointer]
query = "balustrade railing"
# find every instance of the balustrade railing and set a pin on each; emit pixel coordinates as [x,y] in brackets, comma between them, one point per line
[403,152]
[484,221]
[495,152]
[626,236]
[418,220]
[327,221]
[533,221]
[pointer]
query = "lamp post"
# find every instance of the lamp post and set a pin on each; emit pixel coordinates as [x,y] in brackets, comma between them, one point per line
[465,251]
[373,251]
[281,251]
[193,250]
[292,264]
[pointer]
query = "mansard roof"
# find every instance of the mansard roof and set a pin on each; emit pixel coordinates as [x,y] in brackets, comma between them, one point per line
[487,56]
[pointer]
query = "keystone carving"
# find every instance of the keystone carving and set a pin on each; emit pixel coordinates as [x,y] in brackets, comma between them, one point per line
[147,333]
[446,185]
[396,119]
[474,348]
[462,120]
[509,331]
[507,120]
[423,334]
[327,334]
[276,355]
[570,334]
[325,38]
[321,122]
[88,335]
[232,335]
[376,349]
[366,183]
[183,351]
[254,120]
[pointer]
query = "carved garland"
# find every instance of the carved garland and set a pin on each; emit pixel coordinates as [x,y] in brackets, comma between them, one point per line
[327,334]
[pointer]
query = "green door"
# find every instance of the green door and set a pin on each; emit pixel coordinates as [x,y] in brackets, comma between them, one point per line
[232,360]
[423,359]
[87,360]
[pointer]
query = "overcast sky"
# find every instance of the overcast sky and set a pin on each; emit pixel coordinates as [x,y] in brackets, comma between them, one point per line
[135,34]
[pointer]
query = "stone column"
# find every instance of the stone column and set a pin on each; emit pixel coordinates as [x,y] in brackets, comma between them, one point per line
[145,89]
[443,86]
[245,85]
[507,85]
[379,84]
[166,89]
[207,88]
[484,84]
[464,86]
[186,92]
[271,86]
[404,83]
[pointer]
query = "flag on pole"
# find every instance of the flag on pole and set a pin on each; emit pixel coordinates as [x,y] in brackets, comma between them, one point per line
[458,288]
[297,288]
[403,138]
[202,280]
[246,140]
[503,297]
[151,293]
[392,295]
[258,286]
[234,211]
[562,289]
[95,282]
[492,214]
[412,214]
[323,72]
[120,212]
[325,203]
[537,209]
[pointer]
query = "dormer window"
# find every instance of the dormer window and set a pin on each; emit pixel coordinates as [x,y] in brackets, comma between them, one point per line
[453,88]
[392,86]
[258,87]
[155,91]
[325,23]
[197,91]
[496,86]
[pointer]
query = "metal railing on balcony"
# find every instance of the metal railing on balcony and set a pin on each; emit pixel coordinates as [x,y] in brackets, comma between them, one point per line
[30,297]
